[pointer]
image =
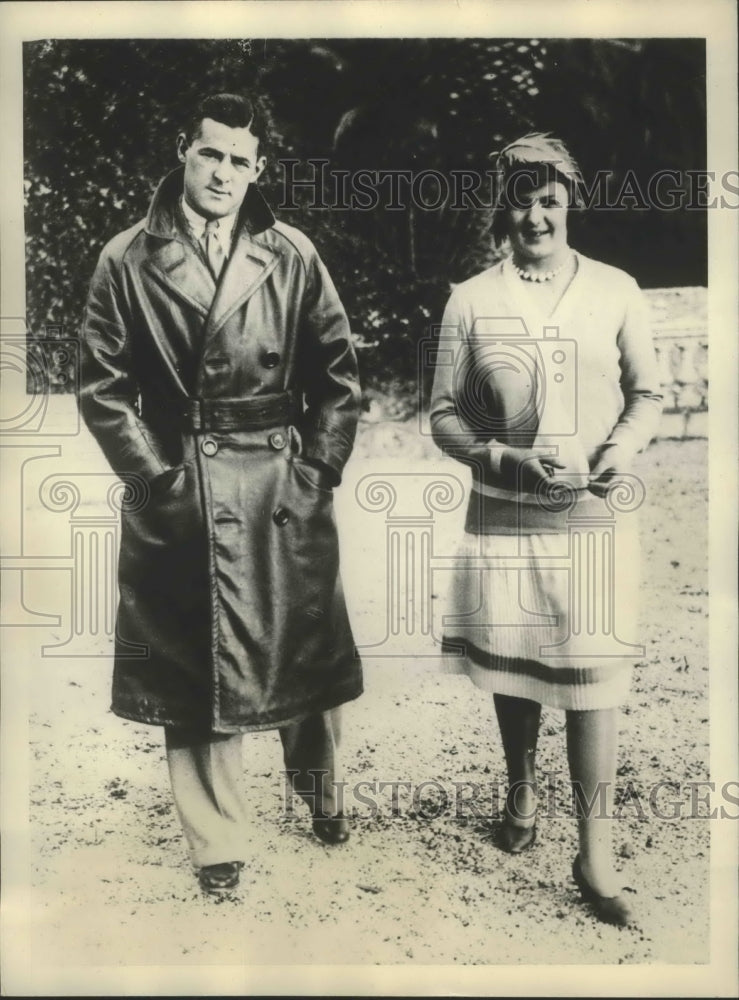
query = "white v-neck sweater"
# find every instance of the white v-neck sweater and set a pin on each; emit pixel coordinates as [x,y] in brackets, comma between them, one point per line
[597,382]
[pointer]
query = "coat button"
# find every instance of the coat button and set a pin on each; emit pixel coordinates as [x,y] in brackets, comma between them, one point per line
[209,447]
[277,440]
[281,517]
[270,359]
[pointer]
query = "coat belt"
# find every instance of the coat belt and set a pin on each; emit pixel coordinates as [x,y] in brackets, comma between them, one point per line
[250,413]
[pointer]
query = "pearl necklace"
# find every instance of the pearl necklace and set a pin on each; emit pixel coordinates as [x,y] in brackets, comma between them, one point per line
[540,276]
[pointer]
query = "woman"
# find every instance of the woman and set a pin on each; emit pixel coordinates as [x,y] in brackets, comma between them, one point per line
[547,387]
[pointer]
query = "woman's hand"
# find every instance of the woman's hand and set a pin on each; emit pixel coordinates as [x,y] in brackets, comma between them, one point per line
[612,462]
[526,468]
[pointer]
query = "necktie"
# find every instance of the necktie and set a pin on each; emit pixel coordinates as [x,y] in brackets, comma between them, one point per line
[213,249]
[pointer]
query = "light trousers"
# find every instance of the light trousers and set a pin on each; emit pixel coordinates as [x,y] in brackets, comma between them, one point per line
[209,790]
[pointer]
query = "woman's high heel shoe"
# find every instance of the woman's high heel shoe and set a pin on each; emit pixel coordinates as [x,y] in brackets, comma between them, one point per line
[516,835]
[608,909]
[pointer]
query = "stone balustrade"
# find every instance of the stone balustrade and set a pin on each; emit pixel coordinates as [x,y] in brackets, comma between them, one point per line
[680,325]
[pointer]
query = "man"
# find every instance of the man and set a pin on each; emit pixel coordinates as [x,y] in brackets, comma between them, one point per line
[220,381]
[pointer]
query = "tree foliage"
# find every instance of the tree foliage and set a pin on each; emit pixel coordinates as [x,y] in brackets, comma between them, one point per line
[101,118]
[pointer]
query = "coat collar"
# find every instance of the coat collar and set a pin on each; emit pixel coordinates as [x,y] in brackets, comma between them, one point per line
[163,217]
[178,265]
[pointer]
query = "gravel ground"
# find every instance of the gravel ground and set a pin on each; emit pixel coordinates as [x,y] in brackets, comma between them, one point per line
[421,884]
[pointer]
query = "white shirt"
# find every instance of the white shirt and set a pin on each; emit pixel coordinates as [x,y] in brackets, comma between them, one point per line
[197,222]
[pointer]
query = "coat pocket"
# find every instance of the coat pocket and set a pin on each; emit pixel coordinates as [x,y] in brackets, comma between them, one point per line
[312,474]
[169,516]
[169,482]
[307,472]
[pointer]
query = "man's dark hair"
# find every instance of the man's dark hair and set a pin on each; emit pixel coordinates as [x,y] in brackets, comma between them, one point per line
[233,110]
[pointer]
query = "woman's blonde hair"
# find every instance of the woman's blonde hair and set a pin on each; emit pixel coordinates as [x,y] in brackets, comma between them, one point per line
[541,156]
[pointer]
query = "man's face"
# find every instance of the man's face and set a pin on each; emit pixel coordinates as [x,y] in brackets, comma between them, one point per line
[220,164]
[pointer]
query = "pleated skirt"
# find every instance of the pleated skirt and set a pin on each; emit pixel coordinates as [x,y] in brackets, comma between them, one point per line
[548,617]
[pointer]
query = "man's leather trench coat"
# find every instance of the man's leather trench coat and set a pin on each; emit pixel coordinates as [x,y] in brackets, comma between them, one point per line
[219,409]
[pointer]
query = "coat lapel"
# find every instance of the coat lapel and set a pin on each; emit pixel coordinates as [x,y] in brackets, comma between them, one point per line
[249,265]
[178,266]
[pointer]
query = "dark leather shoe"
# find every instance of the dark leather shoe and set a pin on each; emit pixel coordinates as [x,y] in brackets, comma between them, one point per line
[609,909]
[221,877]
[332,829]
